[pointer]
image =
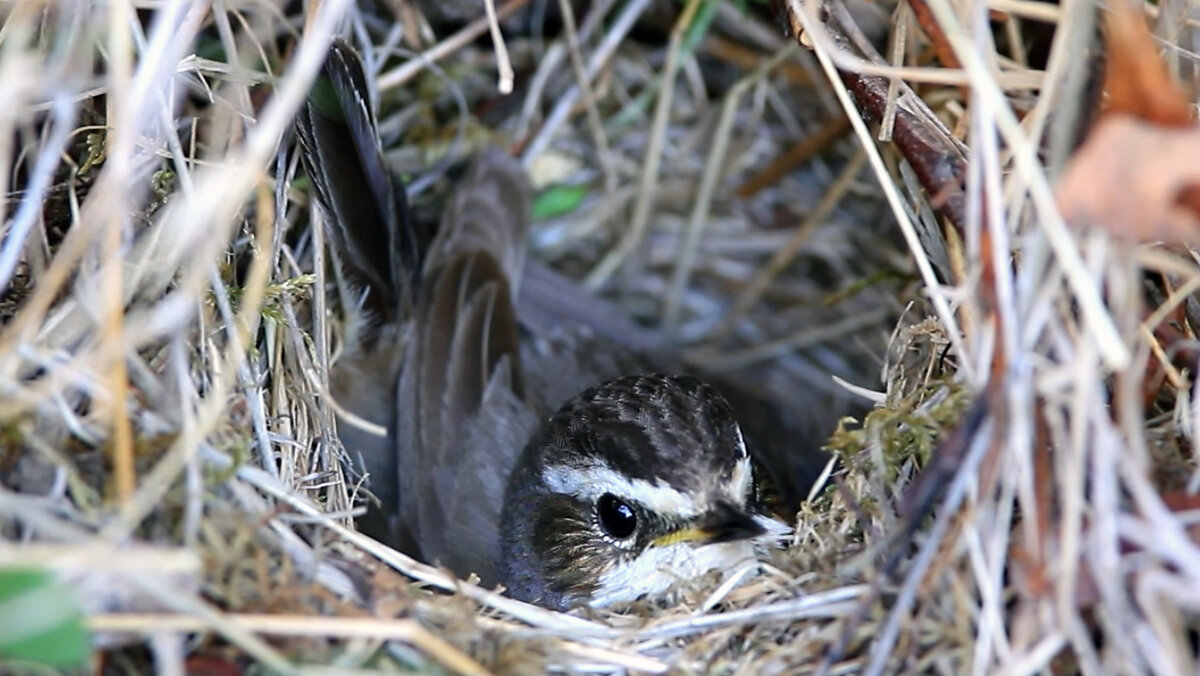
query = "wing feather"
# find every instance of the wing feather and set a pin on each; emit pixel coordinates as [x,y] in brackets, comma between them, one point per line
[459,411]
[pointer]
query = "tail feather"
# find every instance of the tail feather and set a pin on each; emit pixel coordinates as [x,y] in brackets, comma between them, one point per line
[367,208]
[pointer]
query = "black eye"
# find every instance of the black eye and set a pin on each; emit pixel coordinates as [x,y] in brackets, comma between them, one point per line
[616,518]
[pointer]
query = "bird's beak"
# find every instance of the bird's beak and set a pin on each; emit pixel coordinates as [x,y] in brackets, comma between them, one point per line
[724,523]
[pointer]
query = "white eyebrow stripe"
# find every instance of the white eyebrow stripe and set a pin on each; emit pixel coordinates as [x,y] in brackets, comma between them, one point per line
[742,481]
[589,483]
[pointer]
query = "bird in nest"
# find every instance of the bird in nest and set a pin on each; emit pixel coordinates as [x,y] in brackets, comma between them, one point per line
[534,437]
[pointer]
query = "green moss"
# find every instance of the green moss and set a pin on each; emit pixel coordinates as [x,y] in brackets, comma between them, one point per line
[907,430]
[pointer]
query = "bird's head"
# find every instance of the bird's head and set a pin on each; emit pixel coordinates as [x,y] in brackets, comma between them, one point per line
[632,486]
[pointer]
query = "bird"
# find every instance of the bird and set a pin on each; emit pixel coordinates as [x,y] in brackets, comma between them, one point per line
[632,486]
[568,461]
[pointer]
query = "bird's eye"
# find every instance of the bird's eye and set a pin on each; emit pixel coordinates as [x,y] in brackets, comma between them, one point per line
[616,517]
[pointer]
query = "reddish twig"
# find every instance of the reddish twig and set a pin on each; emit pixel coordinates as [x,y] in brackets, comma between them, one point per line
[933,31]
[934,155]
[795,156]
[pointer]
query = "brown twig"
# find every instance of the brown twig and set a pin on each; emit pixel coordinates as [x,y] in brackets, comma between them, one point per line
[928,24]
[935,157]
[408,70]
[939,166]
[746,58]
[794,157]
[404,630]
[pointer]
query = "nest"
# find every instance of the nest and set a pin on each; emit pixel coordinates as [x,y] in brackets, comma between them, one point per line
[955,232]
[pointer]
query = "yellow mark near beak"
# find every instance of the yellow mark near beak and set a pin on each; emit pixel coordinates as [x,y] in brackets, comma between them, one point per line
[687,534]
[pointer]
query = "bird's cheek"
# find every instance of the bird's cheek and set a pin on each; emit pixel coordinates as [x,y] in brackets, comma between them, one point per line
[561,538]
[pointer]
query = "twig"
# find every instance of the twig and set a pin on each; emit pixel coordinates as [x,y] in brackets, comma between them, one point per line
[1038,11]
[940,303]
[849,61]
[941,46]
[716,361]
[27,214]
[829,603]
[405,630]
[549,63]
[785,254]
[795,156]
[746,58]
[468,33]
[653,158]
[935,156]
[899,40]
[713,170]
[583,82]
[600,56]
[503,65]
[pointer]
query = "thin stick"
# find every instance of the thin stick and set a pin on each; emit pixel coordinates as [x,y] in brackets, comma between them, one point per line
[503,65]
[795,156]
[600,56]
[120,162]
[405,630]
[1011,80]
[787,253]
[928,276]
[713,170]
[717,362]
[583,81]
[899,42]
[409,70]
[830,603]
[653,159]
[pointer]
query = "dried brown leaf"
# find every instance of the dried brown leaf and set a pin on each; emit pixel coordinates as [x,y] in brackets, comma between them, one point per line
[1130,176]
[1135,79]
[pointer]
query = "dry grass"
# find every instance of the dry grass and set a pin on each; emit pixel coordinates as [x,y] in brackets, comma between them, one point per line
[167,442]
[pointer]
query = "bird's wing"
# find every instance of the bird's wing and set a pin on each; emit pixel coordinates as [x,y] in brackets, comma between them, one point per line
[460,412]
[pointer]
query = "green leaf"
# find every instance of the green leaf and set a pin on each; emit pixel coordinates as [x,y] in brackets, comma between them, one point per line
[41,621]
[558,200]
